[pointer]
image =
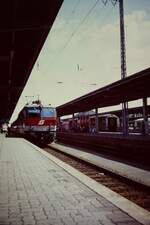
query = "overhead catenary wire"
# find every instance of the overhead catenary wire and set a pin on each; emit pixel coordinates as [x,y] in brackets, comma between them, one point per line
[75,7]
[73,12]
[77,28]
[82,21]
[112,1]
[70,16]
[80,24]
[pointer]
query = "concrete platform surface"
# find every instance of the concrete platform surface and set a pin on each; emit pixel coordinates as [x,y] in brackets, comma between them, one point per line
[38,189]
[136,174]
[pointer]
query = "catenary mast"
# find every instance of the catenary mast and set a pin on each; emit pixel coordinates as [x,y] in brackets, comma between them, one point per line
[123,60]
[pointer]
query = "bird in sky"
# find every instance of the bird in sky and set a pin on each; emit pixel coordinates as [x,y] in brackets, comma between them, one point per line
[79,68]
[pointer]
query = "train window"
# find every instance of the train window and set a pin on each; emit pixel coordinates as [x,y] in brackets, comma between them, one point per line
[48,112]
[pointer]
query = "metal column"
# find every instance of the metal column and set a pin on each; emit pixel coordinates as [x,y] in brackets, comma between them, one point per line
[145,117]
[96,120]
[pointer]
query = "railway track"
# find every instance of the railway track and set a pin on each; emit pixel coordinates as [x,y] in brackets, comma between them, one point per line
[133,191]
[131,146]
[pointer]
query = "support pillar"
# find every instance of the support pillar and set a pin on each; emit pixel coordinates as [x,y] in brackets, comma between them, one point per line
[96,120]
[145,117]
[125,118]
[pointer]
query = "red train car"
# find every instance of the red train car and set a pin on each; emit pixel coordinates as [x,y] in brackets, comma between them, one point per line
[86,122]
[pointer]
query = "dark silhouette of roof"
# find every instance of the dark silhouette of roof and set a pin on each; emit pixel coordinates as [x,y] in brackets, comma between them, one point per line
[24,26]
[130,88]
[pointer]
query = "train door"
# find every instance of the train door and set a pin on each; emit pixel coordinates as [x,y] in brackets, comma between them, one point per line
[92,127]
[112,124]
[102,125]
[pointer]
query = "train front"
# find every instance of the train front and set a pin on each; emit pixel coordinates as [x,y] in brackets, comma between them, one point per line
[40,123]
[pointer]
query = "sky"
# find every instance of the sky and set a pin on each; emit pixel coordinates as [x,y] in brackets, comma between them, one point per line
[82,51]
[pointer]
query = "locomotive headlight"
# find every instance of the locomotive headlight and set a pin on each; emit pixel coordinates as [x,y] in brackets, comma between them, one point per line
[52,128]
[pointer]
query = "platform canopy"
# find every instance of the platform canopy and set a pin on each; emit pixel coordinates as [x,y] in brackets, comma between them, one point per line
[24,26]
[134,87]
[131,111]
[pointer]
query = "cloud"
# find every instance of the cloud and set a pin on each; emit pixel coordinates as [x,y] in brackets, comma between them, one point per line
[137,41]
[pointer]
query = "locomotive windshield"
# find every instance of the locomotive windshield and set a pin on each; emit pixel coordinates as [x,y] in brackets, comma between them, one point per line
[48,112]
[41,112]
[34,112]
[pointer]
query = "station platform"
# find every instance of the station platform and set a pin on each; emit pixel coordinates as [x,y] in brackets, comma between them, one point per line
[38,189]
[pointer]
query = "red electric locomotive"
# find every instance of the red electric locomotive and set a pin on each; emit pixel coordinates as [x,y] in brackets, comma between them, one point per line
[36,122]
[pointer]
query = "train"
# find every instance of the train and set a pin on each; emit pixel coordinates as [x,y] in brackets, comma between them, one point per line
[139,125]
[35,122]
[86,123]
